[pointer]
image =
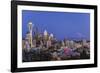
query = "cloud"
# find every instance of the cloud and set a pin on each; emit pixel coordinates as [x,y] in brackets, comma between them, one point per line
[80,34]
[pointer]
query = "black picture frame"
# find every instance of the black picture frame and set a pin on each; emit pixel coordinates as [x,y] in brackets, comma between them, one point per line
[14,31]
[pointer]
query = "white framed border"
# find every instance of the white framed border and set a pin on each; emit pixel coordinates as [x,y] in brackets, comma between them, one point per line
[52,63]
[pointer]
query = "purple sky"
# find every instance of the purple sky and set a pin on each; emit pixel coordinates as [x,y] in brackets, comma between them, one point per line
[61,24]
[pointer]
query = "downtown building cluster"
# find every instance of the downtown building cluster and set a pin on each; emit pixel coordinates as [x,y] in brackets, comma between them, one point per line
[46,47]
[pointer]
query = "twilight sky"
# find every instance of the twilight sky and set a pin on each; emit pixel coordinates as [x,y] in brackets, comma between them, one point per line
[61,24]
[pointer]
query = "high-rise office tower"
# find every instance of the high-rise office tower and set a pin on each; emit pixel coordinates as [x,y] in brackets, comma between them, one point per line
[45,35]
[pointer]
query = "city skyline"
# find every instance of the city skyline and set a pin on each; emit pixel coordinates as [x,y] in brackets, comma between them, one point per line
[61,24]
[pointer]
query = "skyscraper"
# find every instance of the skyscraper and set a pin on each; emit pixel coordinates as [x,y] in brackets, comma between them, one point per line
[45,35]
